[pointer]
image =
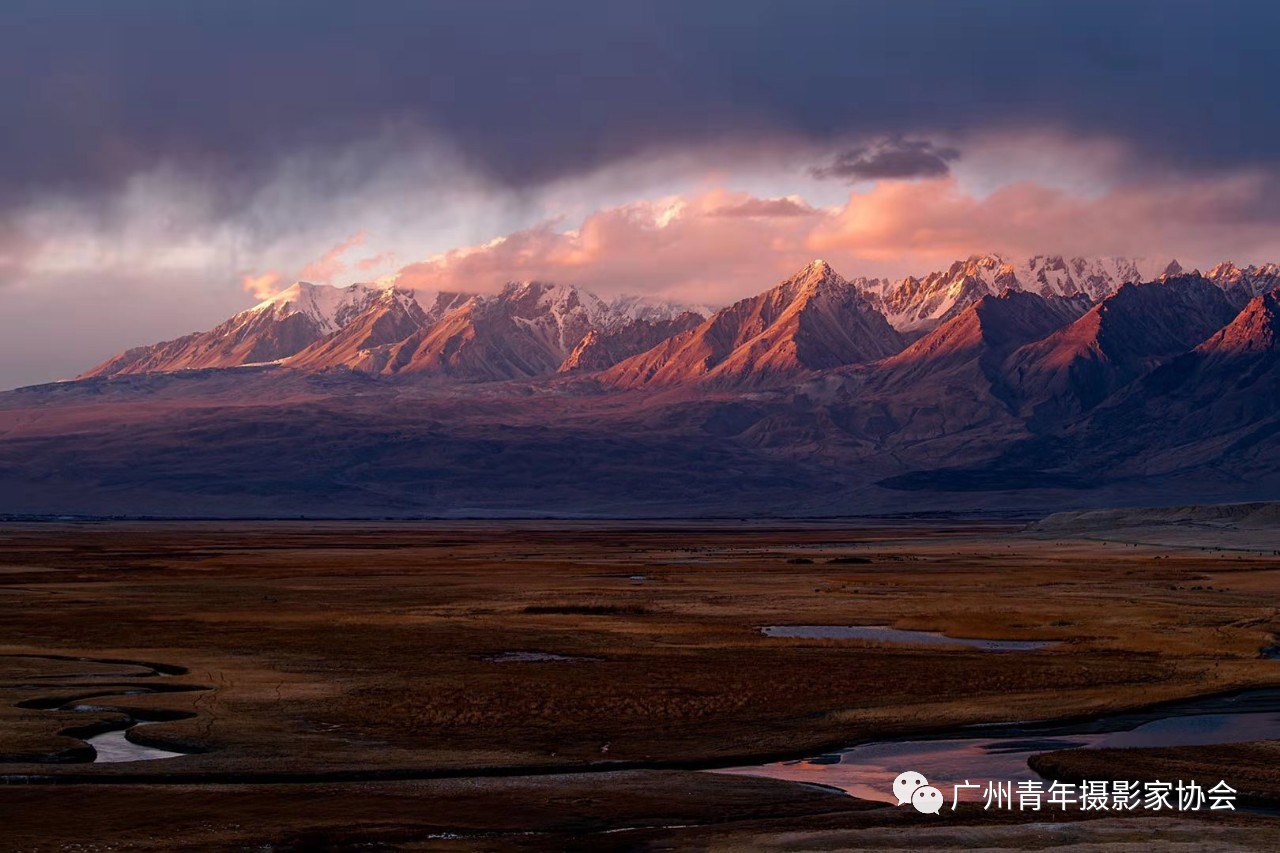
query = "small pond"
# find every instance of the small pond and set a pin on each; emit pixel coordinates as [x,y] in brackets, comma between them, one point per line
[535,657]
[884,634]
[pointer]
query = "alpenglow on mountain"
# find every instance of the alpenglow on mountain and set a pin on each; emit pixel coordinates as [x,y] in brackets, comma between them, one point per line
[538,329]
[1036,386]
[526,330]
[812,321]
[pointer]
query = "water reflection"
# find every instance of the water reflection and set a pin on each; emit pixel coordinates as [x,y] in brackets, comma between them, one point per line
[114,747]
[1000,753]
[884,634]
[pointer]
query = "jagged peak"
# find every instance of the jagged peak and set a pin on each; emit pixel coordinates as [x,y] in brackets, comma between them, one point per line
[293,291]
[289,296]
[1256,328]
[1230,272]
[989,261]
[323,300]
[550,296]
[996,307]
[514,291]
[327,306]
[816,269]
[811,279]
[534,286]
[306,288]
[1263,309]
[640,307]
[1181,280]
[1225,270]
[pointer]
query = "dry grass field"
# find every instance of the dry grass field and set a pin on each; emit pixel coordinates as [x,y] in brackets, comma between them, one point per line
[343,683]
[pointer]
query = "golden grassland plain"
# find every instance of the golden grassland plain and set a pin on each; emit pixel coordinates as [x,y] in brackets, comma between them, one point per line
[348,682]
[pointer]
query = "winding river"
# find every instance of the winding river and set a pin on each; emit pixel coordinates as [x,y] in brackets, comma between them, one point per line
[110,741]
[999,752]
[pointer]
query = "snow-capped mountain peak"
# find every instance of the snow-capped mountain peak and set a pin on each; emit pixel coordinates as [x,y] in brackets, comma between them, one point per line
[811,321]
[329,307]
[632,308]
[918,304]
[814,319]
[1241,285]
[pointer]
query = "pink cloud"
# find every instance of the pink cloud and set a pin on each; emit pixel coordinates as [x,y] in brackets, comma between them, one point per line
[332,263]
[374,262]
[767,207]
[262,286]
[681,245]
[933,222]
[720,245]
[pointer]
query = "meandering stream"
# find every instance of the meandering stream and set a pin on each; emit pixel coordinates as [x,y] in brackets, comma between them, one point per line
[110,742]
[115,746]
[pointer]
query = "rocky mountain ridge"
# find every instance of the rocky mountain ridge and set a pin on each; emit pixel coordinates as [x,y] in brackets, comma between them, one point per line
[536,329]
[803,400]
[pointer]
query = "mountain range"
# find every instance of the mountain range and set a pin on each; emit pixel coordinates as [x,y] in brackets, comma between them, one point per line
[989,386]
[527,329]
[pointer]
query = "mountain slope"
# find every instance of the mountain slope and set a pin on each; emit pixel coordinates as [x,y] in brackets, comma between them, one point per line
[1203,426]
[306,316]
[1254,333]
[812,321]
[920,304]
[1212,409]
[793,406]
[1241,285]
[277,328]
[629,308]
[527,330]
[974,343]
[393,316]
[601,349]
[946,393]
[1123,337]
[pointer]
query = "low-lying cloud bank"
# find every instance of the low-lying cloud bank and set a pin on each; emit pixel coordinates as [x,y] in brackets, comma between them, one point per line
[719,245]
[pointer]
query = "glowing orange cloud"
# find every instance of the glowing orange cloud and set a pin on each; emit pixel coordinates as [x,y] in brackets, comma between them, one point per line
[719,245]
[932,222]
[262,286]
[373,262]
[707,244]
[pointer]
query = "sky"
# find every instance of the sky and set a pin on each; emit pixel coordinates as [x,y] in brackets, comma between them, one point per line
[166,163]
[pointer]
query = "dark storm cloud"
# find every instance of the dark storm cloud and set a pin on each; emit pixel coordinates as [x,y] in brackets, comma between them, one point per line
[92,92]
[900,158]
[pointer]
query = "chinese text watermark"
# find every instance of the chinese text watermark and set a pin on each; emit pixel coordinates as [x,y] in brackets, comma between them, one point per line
[1101,795]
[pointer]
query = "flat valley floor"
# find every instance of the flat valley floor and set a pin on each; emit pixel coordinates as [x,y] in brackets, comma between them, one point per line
[549,685]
